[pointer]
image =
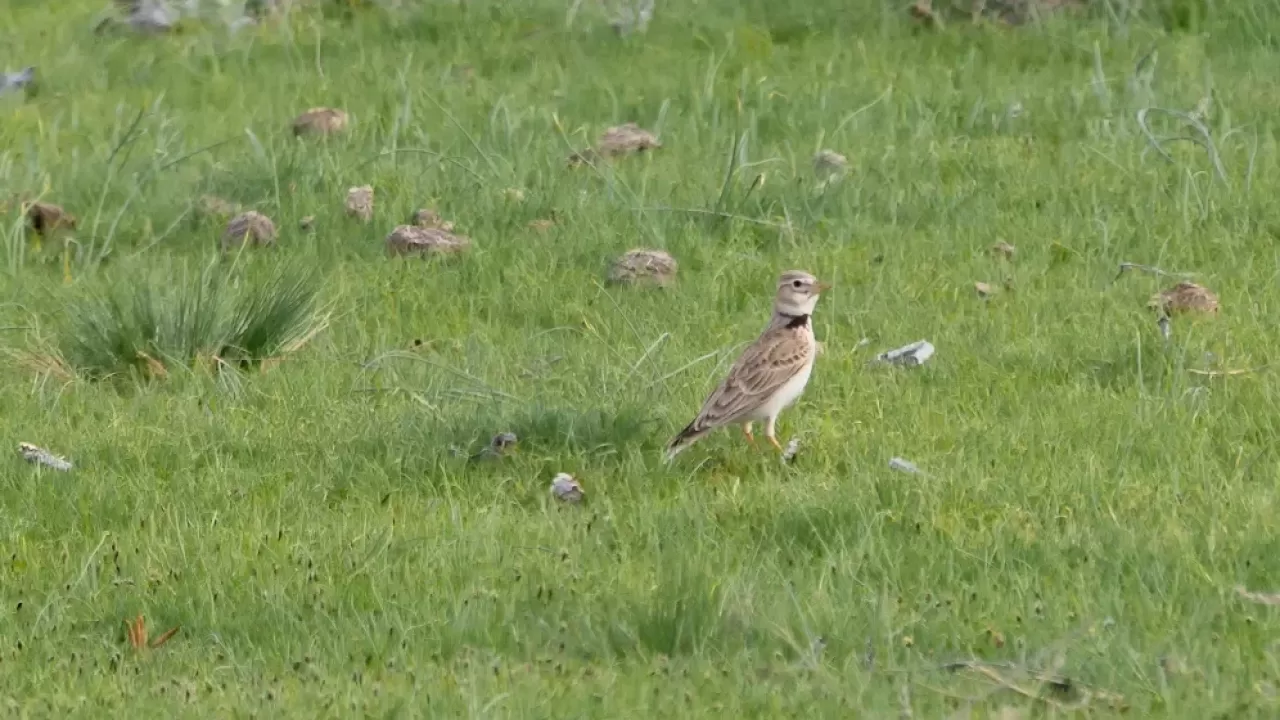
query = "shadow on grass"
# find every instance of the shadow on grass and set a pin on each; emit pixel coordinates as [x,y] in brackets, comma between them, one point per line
[546,429]
[811,530]
[1153,369]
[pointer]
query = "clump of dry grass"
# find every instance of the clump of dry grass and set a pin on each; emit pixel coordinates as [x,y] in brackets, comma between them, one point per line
[47,218]
[415,240]
[1185,297]
[618,141]
[626,139]
[643,265]
[359,203]
[320,121]
[252,227]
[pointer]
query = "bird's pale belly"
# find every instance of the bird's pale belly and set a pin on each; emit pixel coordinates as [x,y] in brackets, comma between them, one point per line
[786,395]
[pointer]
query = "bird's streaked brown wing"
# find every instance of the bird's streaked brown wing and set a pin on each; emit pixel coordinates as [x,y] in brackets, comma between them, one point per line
[760,372]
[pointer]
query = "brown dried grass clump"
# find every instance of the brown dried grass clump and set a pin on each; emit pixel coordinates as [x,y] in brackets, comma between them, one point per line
[425,218]
[1183,298]
[359,203]
[320,121]
[618,141]
[47,218]
[626,139]
[250,226]
[415,240]
[643,266]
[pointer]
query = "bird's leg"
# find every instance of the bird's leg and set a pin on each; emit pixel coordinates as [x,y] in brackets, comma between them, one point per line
[768,434]
[751,439]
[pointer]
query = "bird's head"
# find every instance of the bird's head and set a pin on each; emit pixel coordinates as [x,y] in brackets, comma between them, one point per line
[798,293]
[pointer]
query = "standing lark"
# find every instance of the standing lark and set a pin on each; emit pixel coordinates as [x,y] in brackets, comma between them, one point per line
[770,374]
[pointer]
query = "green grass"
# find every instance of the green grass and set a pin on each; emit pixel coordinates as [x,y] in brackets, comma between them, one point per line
[179,319]
[1087,503]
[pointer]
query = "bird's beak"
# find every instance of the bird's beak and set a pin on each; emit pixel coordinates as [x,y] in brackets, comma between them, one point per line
[823,286]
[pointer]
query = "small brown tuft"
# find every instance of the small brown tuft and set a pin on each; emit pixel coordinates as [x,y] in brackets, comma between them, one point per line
[359,203]
[1185,297]
[426,218]
[626,139]
[617,141]
[984,290]
[411,239]
[320,121]
[542,224]
[1004,249]
[251,226]
[642,265]
[47,218]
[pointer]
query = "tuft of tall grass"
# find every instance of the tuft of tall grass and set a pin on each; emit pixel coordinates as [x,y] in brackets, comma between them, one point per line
[183,319]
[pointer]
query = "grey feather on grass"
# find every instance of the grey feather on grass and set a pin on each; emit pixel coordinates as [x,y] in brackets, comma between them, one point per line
[17,80]
[39,456]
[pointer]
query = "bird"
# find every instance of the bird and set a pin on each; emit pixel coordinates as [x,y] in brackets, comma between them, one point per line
[770,374]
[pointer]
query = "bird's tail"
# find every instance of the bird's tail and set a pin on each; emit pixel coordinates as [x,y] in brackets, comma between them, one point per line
[683,439]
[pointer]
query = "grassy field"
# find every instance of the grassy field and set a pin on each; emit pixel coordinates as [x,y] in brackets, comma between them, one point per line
[1087,503]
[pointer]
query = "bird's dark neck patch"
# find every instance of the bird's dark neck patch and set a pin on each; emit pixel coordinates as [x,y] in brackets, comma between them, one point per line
[795,321]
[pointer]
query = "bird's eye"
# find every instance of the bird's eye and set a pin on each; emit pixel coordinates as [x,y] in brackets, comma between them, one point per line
[796,283]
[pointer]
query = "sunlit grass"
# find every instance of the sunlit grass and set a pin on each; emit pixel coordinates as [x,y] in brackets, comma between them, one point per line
[328,545]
